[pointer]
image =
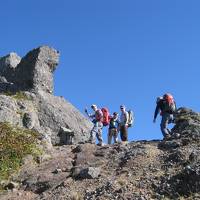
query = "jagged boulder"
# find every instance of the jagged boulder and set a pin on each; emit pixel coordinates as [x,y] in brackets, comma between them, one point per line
[35,71]
[28,100]
[89,173]
[187,123]
[8,64]
[56,112]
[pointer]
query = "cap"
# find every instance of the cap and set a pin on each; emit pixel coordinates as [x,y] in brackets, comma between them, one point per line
[93,106]
[115,113]
[122,106]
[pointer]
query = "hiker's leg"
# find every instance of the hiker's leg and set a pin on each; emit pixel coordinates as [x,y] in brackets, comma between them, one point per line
[169,131]
[99,133]
[123,133]
[93,133]
[164,123]
[109,136]
[115,133]
[92,136]
[171,119]
[99,136]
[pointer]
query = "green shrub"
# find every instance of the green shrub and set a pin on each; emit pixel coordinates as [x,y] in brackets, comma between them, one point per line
[15,143]
[18,95]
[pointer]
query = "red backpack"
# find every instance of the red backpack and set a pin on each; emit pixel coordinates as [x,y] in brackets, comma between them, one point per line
[106,118]
[170,103]
[169,98]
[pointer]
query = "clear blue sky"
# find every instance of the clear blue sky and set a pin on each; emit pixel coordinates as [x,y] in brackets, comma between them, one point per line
[113,51]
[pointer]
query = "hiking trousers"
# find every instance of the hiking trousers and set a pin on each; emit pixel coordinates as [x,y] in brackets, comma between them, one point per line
[112,133]
[97,130]
[124,133]
[166,119]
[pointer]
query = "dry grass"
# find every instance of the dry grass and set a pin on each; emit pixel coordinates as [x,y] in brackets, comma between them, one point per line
[76,196]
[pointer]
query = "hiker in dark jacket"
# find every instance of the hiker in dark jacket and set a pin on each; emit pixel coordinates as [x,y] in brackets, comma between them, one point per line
[113,128]
[166,106]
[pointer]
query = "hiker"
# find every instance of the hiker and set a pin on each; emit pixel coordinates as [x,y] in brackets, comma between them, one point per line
[124,117]
[97,119]
[113,128]
[166,106]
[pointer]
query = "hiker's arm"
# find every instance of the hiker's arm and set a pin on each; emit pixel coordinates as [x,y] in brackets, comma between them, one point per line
[126,115]
[175,107]
[89,115]
[86,111]
[118,125]
[156,112]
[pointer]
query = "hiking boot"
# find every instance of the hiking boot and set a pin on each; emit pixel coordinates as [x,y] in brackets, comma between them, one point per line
[167,137]
[124,142]
[90,141]
[177,135]
[100,144]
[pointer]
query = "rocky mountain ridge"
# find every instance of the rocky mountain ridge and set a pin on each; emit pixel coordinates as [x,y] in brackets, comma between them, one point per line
[74,169]
[168,169]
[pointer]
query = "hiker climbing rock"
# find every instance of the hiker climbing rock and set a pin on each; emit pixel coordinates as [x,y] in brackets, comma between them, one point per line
[166,106]
[124,118]
[113,128]
[97,119]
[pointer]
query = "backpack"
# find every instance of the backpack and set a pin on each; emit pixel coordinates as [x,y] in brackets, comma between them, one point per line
[130,118]
[170,105]
[106,116]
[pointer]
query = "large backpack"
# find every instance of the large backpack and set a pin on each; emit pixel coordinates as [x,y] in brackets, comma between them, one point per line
[170,105]
[130,118]
[106,118]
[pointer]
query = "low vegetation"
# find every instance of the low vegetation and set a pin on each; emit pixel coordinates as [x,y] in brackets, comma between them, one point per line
[18,95]
[15,143]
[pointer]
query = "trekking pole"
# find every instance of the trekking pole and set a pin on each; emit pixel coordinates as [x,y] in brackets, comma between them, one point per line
[86,111]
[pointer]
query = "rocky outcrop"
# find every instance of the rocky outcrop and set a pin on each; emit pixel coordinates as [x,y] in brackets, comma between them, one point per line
[187,124]
[27,99]
[8,64]
[55,113]
[35,71]
[182,160]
